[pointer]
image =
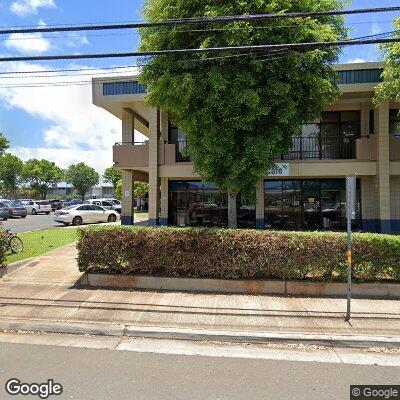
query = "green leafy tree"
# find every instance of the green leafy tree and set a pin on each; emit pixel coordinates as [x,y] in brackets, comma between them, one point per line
[240,111]
[4,144]
[10,172]
[389,89]
[140,190]
[118,190]
[42,175]
[112,175]
[82,177]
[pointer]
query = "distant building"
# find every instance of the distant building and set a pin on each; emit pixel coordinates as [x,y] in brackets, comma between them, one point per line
[66,190]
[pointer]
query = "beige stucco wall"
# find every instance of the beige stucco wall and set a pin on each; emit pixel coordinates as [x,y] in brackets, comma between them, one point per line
[377,162]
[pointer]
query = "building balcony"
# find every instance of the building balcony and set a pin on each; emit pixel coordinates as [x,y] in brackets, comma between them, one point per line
[131,155]
[322,148]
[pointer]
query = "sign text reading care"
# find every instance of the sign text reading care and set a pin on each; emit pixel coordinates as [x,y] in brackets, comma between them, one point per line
[280,169]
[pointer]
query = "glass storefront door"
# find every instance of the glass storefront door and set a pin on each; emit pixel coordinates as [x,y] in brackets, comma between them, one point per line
[194,203]
[307,204]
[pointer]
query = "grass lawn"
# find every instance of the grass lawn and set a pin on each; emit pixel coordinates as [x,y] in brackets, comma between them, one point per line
[39,242]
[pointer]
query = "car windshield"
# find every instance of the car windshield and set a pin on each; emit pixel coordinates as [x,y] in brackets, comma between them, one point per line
[115,202]
[16,203]
[43,203]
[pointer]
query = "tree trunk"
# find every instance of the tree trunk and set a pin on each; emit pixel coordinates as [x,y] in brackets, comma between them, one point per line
[232,212]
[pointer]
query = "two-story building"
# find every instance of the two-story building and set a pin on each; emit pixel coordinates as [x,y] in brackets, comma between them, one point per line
[305,191]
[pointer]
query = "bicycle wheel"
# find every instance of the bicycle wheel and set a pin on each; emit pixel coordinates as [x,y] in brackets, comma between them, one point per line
[16,244]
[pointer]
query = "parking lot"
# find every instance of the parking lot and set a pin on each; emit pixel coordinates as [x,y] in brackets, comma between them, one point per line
[30,223]
[43,221]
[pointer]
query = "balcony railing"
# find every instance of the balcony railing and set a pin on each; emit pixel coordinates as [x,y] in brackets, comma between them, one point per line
[132,143]
[180,151]
[322,148]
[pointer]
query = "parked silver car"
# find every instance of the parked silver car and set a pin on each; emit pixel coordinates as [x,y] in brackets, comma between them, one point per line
[4,211]
[108,204]
[85,214]
[37,207]
[15,208]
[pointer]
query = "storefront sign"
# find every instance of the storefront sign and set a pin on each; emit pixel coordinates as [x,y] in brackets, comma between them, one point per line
[280,169]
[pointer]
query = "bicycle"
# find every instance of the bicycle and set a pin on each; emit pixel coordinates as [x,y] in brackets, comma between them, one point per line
[14,244]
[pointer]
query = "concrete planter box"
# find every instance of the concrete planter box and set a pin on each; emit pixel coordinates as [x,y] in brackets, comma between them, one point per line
[275,287]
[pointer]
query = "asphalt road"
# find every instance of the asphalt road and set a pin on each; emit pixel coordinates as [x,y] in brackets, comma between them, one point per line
[118,375]
[30,223]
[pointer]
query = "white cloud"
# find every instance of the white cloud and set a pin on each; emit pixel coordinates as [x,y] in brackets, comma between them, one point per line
[77,130]
[27,43]
[31,43]
[28,7]
[356,61]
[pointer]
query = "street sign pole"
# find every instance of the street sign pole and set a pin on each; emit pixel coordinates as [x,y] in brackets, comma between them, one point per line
[350,215]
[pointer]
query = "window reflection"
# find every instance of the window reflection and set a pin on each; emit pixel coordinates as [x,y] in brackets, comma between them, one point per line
[195,203]
[308,204]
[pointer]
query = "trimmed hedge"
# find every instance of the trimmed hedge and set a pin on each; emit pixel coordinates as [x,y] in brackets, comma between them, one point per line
[3,248]
[237,254]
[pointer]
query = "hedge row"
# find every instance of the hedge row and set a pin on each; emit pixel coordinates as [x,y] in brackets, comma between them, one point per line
[237,254]
[3,248]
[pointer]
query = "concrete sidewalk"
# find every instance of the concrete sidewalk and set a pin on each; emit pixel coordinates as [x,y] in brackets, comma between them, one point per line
[43,295]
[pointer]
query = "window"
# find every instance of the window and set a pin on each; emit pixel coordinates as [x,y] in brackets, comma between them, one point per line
[394,123]
[371,122]
[106,204]
[82,208]
[179,137]
[332,138]
[307,204]
[97,208]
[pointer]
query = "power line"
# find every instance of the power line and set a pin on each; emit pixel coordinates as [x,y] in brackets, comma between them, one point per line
[177,31]
[263,47]
[203,20]
[15,74]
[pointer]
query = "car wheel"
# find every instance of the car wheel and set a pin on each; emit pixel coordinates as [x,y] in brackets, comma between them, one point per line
[5,219]
[23,216]
[34,212]
[112,218]
[66,223]
[47,213]
[77,221]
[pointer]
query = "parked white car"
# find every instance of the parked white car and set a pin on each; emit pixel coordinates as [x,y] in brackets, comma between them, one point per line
[108,204]
[37,206]
[85,214]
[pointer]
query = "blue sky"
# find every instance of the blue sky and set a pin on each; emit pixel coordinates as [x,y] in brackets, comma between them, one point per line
[60,123]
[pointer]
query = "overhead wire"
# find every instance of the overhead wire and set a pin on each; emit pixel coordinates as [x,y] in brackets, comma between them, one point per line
[199,21]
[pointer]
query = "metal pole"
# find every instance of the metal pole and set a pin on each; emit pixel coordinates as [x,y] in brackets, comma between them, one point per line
[349,263]
[351,184]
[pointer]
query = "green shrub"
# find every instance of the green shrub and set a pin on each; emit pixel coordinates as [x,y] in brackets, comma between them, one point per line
[237,254]
[3,248]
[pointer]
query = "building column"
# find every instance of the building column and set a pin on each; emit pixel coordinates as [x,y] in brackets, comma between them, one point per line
[154,184]
[383,169]
[127,198]
[128,128]
[164,202]
[260,208]
[127,217]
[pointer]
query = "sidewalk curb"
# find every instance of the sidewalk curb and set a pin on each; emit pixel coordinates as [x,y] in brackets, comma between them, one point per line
[63,327]
[262,337]
[119,330]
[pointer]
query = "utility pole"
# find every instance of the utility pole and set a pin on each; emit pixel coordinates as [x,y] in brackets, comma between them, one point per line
[351,182]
